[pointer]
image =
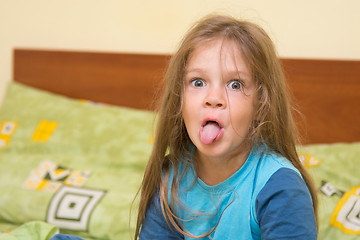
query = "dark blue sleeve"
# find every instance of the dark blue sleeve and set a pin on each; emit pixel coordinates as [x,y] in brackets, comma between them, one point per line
[65,237]
[284,208]
[155,225]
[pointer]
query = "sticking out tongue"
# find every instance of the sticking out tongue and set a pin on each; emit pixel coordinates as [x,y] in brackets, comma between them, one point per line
[209,132]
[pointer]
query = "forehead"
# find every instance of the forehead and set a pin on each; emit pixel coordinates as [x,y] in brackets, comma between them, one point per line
[225,51]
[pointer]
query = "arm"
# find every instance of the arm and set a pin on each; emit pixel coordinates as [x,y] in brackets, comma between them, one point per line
[155,225]
[284,208]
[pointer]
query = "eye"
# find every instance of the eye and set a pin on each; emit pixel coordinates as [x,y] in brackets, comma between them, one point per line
[235,85]
[198,83]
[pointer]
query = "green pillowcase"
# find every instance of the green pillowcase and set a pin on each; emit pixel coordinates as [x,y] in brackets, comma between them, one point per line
[335,171]
[75,164]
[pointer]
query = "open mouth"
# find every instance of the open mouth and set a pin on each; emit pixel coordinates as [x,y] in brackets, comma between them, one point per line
[211,122]
[210,132]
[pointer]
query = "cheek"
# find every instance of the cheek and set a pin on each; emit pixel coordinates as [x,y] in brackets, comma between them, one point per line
[242,119]
[187,112]
[191,101]
[242,114]
[190,113]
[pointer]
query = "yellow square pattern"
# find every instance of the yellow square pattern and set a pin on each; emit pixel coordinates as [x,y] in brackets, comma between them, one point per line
[308,160]
[44,131]
[7,129]
[77,178]
[347,212]
[49,177]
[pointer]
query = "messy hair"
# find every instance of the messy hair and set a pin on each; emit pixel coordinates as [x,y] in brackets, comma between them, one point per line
[273,121]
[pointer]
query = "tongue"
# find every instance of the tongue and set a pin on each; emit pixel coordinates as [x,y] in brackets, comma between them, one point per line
[209,132]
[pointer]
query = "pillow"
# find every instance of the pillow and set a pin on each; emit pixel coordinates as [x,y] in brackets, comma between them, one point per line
[335,171]
[74,164]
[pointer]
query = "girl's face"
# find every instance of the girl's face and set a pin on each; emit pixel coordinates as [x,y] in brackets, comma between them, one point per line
[219,99]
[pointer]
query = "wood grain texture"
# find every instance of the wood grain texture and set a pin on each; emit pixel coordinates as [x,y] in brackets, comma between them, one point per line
[326,92]
[120,79]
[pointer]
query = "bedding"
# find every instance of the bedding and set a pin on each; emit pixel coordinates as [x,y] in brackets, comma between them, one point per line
[72,163]
[31,230]
[74,166]
[335,171]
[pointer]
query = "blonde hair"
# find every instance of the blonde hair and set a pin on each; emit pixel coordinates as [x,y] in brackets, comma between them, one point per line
[274,125]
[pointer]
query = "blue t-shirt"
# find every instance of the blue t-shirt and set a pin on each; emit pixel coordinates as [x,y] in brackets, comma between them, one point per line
[265,199]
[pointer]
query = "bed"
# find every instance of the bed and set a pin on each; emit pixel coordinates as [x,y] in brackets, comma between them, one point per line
[76,131]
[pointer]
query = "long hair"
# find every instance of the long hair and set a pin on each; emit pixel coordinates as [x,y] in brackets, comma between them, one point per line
[273,121]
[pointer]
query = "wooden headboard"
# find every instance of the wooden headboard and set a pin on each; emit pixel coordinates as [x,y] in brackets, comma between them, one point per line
[114,78]
[326,92]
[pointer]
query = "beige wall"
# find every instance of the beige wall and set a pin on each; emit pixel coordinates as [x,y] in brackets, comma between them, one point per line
[306,29]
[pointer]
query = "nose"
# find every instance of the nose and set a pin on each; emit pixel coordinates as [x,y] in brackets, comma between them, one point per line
[215,98]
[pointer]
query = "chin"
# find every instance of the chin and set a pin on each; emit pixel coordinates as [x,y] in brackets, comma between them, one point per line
[213,150]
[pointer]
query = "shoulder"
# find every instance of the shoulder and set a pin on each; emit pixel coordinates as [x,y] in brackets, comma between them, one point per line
[287,182]
[284,207]
[270,162]
[265,165]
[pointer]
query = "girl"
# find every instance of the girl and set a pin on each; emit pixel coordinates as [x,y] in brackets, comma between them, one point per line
[224,163]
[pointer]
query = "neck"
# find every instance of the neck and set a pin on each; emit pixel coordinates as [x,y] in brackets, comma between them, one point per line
[214,170]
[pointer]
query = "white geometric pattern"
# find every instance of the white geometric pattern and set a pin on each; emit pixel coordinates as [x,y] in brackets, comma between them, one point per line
[71,207]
